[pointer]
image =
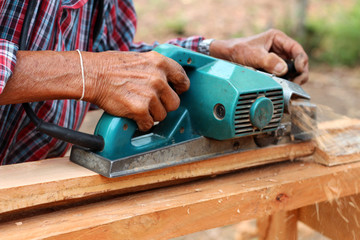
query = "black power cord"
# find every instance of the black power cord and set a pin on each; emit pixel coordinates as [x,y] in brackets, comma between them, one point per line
[95,143]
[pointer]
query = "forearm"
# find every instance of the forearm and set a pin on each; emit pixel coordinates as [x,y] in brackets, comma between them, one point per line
[46,75]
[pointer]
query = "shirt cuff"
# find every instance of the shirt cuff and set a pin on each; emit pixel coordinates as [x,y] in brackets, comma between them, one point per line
[8,52]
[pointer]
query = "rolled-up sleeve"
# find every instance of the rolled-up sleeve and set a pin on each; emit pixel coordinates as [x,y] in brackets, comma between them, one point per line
[8,52]
[189,42]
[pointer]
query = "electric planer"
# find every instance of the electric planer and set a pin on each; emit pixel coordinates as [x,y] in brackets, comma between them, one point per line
[228,108]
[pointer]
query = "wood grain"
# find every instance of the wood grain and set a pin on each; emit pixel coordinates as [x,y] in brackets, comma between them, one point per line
[50,181]
[177,210]
[338,142]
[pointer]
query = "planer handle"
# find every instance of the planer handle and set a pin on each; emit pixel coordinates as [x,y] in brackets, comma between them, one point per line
[118,132]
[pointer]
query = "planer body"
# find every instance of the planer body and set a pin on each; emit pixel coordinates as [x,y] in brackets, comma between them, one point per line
[227,108]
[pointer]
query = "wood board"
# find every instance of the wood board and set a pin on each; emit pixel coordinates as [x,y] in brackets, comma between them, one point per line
[177,210]
[338,142]
[54,181]
[33,184]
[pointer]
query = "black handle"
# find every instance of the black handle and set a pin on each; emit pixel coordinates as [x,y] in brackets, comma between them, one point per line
[292,72]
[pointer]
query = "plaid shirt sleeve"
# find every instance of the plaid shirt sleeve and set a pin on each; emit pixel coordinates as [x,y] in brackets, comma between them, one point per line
[190,43]
[7,61]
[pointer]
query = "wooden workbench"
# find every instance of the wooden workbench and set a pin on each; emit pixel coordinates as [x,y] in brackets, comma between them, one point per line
[202,204]
[56,199]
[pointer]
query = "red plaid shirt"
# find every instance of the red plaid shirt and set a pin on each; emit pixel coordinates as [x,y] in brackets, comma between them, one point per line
[63,25]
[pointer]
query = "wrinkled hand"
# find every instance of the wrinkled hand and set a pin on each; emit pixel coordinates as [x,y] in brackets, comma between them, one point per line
[266,51]
[136,86]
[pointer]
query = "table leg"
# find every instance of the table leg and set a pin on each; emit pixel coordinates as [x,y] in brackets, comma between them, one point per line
[281,226]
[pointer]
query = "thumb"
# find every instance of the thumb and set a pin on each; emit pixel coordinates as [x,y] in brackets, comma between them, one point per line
[274,64]
[270,62]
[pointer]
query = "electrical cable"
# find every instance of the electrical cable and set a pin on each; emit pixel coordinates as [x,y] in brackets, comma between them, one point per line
[95,143]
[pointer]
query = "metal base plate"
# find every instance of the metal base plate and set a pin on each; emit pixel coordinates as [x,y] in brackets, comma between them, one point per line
[193,150]
[181,153]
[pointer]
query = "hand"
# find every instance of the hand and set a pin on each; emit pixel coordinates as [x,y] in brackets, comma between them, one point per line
[266,51]
[136,86]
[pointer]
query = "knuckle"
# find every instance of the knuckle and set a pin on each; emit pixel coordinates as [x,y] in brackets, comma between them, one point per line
[179,76]
[154,58]
[274,31]
[153,97]
[153,54]
[158,60]
[157,82]
[139,108]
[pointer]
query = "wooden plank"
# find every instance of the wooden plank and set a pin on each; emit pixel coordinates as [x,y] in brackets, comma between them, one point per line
[281,225]
[173,211]
[50,181]
[338,219]
[338,142]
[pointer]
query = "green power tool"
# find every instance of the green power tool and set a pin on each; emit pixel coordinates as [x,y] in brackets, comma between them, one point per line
[228,108]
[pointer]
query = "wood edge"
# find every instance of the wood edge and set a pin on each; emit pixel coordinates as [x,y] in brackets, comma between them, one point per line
[339,123]
[326,159]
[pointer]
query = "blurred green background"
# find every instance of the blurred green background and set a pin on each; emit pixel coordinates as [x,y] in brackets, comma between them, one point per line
[329,30]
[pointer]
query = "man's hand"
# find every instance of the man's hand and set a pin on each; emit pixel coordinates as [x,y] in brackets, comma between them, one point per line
[126,84]
[266,51]
[136,86]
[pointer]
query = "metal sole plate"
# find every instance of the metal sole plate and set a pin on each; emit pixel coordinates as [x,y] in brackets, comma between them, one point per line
[181,153]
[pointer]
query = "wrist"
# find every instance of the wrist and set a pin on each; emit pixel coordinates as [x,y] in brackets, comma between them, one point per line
[220,49]
[92,74]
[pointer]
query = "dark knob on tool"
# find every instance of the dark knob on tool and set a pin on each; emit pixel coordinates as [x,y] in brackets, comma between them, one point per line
[292,72]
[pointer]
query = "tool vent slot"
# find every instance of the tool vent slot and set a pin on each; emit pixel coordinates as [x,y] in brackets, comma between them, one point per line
[243,125]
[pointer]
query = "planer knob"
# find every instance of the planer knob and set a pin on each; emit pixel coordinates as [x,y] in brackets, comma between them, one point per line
[261,112]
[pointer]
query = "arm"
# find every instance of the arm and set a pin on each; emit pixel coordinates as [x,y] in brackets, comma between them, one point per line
[45,75]
[132,85]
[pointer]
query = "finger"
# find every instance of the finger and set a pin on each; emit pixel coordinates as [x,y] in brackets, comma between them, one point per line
[170,99]
[144,122]
[270,62]
[139,112]
[177,76]
[157,110]
[303,77]
[283,45]
[275,64]
[301,63]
